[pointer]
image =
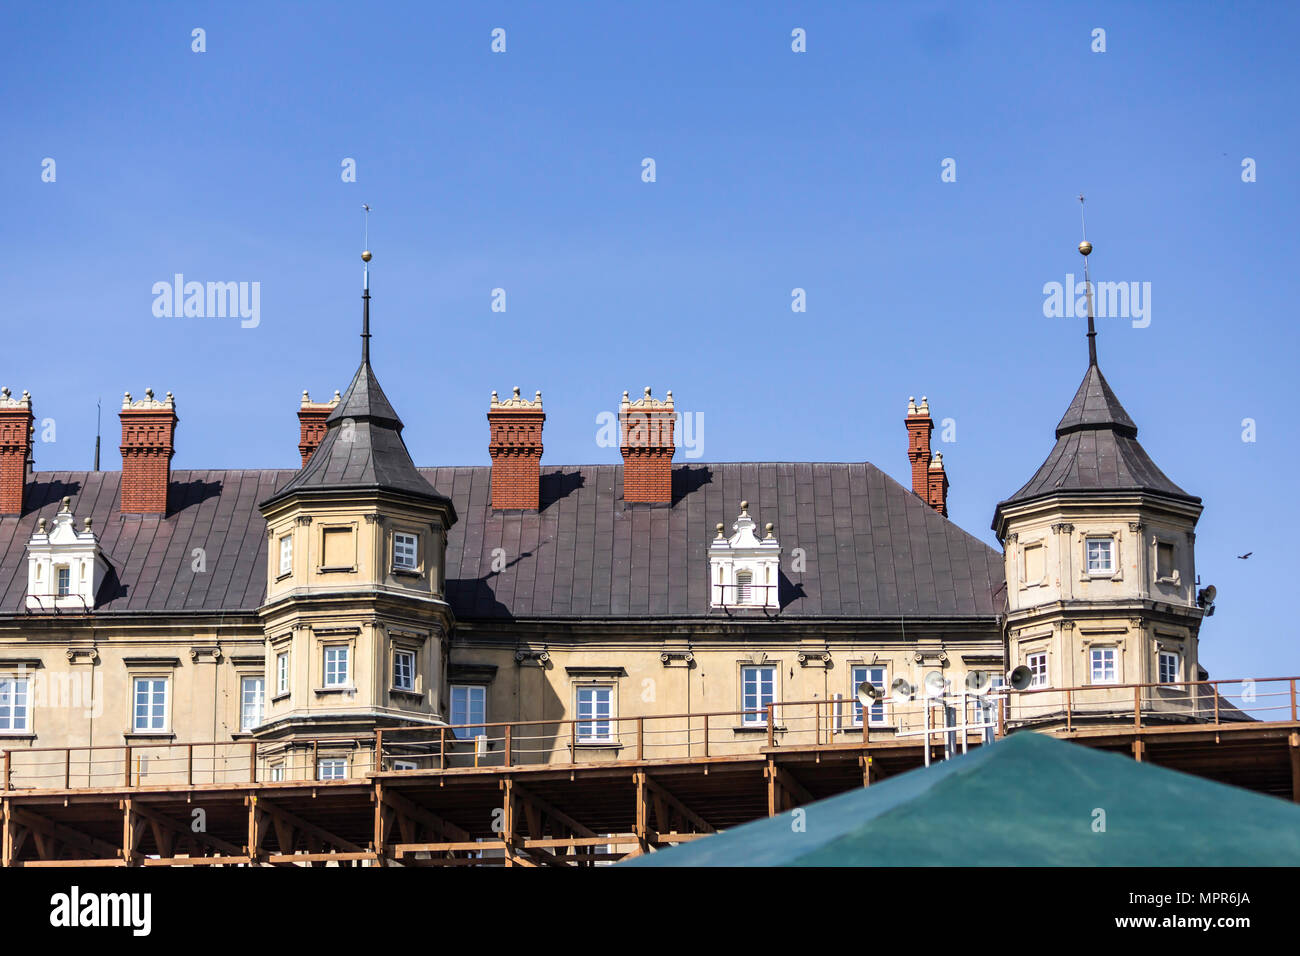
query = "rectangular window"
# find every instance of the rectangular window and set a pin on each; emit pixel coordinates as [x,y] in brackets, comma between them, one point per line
[336,665]
[14,716]
[1169,669]
[1035,567]
[252,696]
[282,672]
[331,768]
[286,554]
[468,709]
[277,772]
[1103,665]
[757,690]
[1164,560]
[150,704]
[404,670]
[1101,556]
[64,579]
[1037,664]
[875,676]
[595,708]
[404,765]
[744,587]
[405,549]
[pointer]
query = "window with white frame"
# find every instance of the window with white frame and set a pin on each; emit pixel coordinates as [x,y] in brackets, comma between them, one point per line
[150,705]
[468,709]
[875,676]
[282,672]
[744,587]
[15,716]
[1101,555]
[405,765]
[336,665]
[1037,664]
[1104,666]
[405,550]
[404,670]
[252,697]
[1169,667]
[332,768]
[63,586]
[986,707]
[277,772]
[286,554]
[757,690]
[595,708]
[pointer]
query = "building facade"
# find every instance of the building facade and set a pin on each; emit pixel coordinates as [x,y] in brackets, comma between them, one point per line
[298,611]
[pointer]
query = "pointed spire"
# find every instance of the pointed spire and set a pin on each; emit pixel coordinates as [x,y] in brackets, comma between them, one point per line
[1085,248]
[365,293]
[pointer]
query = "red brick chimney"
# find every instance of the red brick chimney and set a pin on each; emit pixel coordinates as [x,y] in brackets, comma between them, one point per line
[15,450]
[646,426]
[148,443]
[937,486]
[516,449]
[919,425]
[311,424]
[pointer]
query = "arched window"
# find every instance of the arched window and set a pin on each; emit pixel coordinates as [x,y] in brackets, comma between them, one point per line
[744,585]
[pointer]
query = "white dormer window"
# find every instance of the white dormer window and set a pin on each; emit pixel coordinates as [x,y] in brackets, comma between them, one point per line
[65,567]
[744,569]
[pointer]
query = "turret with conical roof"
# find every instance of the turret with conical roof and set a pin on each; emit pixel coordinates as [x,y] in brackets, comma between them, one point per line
[1100,564]
[355,614]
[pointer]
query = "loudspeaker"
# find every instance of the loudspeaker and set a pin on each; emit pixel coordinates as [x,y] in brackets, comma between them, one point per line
[1021,677]
[935,684]
[901,691]
[869,693]
[979,682]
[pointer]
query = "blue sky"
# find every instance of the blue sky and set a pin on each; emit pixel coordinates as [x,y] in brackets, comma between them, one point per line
[775,170]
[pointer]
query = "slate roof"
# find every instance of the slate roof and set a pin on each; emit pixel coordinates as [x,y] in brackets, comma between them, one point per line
[874,550]
[1096,451]
[362,448]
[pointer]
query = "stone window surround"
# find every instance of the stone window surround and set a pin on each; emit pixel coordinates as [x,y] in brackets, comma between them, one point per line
[1118,548]
[324,528]
[1039,539]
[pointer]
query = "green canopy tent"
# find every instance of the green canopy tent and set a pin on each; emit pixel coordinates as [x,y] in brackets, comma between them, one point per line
[1027,800]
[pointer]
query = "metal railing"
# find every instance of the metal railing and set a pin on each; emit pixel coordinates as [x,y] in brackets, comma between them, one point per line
[953,720]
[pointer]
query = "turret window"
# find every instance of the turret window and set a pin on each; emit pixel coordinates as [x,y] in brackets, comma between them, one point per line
[1104,667]
[405,552]
[1170,669]
[403,670]
[286,554]
[1101,555]
[1037,664]
[336,666]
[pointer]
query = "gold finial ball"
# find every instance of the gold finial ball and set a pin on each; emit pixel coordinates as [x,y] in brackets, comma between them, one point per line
[1085,247]
[365,256]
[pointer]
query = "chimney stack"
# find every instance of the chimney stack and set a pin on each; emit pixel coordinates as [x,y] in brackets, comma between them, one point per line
[929,481]
[148,443]
[919,425]
[311,424]
[937,487]
[515,444]
[646,427]
[15,449]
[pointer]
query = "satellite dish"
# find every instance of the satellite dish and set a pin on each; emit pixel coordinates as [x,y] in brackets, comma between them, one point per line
[868,693]
[979,682]
[1021,677]
[901,691]
[934,684]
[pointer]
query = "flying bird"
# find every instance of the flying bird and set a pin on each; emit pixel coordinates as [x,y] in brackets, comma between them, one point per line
[1246,555]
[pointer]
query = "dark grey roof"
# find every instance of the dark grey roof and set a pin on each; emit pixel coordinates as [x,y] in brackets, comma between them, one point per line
[873,549]
[362,449]
[1096,451]
[1095,406]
